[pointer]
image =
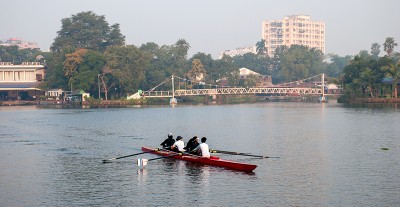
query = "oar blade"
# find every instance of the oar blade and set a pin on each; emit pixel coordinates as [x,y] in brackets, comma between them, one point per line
[142,162]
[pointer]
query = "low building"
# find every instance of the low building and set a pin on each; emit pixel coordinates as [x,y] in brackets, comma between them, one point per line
[262,80]
[238,51]
[54,94]
[21,82]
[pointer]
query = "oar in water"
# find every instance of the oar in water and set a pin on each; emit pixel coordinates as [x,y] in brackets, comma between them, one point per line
[240,153]
[143,162]
[116,158]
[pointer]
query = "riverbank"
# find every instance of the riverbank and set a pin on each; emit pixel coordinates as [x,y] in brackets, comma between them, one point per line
[368,100]
[204,100]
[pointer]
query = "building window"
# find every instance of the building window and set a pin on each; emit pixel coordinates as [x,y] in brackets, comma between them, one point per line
[8,76]
[19,76]
[30,76]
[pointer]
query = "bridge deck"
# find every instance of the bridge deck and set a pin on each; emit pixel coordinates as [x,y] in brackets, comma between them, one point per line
[235,91]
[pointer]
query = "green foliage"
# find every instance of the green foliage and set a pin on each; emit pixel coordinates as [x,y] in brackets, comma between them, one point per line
[388,45]
[86,30]
[197,73]
[298,62]
[257,63]
[16,56]
[127,65]
[335,68]
[87,51]
[260,47]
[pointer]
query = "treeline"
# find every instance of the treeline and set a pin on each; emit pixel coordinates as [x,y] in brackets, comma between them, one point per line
[368,75]
[89,54]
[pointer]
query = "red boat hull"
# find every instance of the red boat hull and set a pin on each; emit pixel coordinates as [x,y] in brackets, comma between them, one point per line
[215,161]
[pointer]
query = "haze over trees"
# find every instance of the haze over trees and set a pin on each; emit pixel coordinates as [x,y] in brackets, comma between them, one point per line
[91,55]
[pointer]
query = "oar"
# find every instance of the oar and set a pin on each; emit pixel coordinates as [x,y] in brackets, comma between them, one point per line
[143,162]
[116,158]
[240,153]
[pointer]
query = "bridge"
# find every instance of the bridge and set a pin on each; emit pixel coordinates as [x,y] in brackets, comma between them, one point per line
[283,89]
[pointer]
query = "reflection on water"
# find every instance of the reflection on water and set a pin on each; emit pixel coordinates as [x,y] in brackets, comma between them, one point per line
[330,155]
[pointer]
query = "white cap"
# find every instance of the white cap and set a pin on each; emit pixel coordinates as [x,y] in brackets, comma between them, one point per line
[170,134]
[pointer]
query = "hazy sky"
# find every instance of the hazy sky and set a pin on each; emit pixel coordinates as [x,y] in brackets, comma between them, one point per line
[210,26]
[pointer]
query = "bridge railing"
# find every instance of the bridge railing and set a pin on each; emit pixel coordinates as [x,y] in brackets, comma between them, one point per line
[157,94]
[233,91]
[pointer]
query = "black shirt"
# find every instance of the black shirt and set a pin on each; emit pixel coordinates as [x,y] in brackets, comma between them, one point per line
[168,143]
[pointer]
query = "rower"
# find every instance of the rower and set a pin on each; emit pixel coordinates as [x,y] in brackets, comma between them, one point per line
[167,143]
[178,145]
[204,149]
[191,145]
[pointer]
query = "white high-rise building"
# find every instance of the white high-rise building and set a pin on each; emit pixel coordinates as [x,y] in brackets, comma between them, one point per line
[295,29]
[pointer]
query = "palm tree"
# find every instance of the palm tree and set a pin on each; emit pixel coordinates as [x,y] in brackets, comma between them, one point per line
[183,46]
[260,47]
[393,69]
[389,45]
[368,79]
[375,49]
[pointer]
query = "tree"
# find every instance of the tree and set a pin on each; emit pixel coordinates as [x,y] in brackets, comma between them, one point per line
[335,67]
[393,70]
[197,73]
[127,65]
[179,53]
[368,79]
[375,49]
[71,64]
[260,47]
[299,62]
[389,45]
[82,67]
[208,64]
[183,47]
[363,74]
[16,56]
[86,30]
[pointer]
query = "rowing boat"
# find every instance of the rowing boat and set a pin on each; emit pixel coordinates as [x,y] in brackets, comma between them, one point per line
[213,160]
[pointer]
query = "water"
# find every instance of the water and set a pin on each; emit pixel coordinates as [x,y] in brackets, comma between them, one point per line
[330,155]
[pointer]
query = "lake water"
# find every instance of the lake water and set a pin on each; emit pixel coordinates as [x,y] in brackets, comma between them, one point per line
[329,155]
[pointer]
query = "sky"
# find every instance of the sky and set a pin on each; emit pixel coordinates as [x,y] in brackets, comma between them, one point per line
[209,26]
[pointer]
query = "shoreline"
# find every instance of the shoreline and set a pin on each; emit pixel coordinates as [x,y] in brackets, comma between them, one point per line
[104,103]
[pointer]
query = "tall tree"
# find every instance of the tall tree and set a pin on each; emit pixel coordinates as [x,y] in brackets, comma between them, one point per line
[260,47]
[197,73]
[393,70]
[375,49]
[86,30]
[389,45]
[127,65]
[299,62]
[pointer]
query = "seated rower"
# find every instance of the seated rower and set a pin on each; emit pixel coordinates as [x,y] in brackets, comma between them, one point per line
[167,143]
[178,145]
[191,145]
[203,148]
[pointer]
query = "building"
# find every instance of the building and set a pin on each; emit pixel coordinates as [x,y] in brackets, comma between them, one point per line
[262,80]
[238,51]
[21,82]
[295,29]
[20,43]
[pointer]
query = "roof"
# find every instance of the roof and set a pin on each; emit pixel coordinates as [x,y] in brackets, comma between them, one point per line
[388,80]
[19,85]
[245,71]
[332,86]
